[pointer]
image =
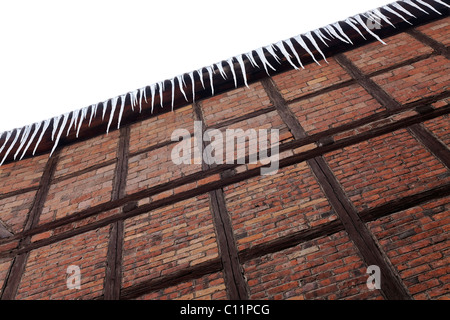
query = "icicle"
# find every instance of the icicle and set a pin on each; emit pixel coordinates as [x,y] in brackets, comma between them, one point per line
[387,8]
[230,63]
[291,46]
[172,82]
[111,115]
[321,36]
[442,2]
[249,55]
[399,7]
[8,135]
[361,22]
[313,41]
[263,59]
[73,120]
[161,89]
[302,43]
[93,112]
[64,122]
[283,50]
[142,93]
[221,70]
[19,131]
[412,4]
[180,84]
[351,24]
[105,106]
[210,72]
[380,15]
[122,106]
[37,126]
[200,74]
[429,6]
[134,98]
[23,140]
[242,65]
[333,33]
[152,92]
[338,27]
[55,126]
[273,53]
[83,116]
[191,75]
[46,125]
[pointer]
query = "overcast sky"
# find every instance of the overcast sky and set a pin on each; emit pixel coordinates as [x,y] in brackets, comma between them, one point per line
[57,56]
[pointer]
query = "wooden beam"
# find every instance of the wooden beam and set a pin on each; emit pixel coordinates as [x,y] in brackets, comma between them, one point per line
[438,47]
[113,276]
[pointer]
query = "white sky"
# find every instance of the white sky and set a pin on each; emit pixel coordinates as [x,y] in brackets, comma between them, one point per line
[57,56]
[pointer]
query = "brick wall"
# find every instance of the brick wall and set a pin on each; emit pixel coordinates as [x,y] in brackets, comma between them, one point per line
[362,157]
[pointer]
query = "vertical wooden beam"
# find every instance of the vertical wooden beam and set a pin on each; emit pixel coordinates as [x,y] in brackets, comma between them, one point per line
[12,282]
[361,236]
[113,276]
[234,278]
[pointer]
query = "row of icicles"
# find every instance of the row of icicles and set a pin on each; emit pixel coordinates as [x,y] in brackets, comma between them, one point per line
[28,134]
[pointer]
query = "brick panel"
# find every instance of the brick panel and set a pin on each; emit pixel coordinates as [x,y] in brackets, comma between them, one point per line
[46,275]
[234,103]
[438,30]
[324,268]
[167,240]
[14,210]
[335,108]
[416,241]
[385,168]
[78,193]
[268,121]
[296,83]
[268,207]
[440,127]
[159,129]
[22,174]
[5,264]
[88,153]
[209,287]
[416,81]
[376,56]
[156,167]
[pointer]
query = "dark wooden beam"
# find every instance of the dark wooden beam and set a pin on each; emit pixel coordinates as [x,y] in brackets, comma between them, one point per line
[113,276]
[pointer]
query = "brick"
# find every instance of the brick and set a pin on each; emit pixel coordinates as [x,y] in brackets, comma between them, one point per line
[297,83]
[437,30]
[416,81]
[22,174]
[376,56]
[14,210]
[175,239]
[390,166]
